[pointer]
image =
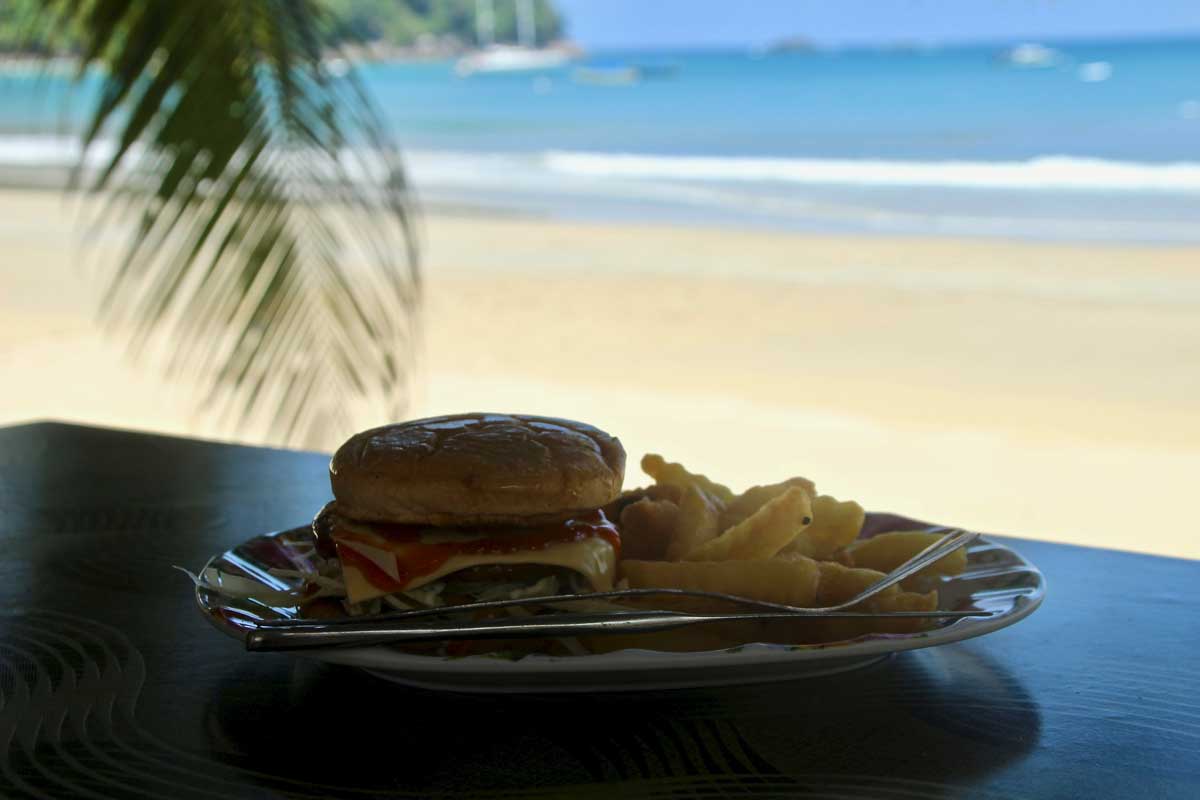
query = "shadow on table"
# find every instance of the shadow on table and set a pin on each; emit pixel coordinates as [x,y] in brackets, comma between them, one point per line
[926,723]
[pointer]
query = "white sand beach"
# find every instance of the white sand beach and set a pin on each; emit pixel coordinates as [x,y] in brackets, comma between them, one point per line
[1044,390]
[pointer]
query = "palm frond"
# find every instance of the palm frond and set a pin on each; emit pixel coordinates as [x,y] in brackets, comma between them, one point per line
[272,241]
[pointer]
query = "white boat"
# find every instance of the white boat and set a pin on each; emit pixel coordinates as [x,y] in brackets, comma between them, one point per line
[511,58]
[523,57]
[1032,55]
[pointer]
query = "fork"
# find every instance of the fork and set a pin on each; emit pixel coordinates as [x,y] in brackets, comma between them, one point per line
[390,628]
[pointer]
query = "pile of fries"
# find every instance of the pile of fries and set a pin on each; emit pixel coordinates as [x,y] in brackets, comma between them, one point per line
[783,543]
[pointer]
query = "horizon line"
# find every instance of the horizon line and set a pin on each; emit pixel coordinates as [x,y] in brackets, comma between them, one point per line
[901,43]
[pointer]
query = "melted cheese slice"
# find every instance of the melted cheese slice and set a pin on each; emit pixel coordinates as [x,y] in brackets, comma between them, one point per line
[593,557]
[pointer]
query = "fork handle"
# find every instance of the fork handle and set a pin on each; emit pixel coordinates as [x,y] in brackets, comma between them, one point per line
[535,627]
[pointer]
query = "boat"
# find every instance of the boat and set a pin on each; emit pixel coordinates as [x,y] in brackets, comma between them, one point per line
[606,76]
[1031,55]
[622,74]
[525,56]
[511,58]
[656,70]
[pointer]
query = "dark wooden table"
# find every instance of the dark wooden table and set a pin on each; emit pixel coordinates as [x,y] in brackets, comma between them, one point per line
[111,685]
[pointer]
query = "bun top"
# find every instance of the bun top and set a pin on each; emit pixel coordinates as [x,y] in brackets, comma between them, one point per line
[483,469]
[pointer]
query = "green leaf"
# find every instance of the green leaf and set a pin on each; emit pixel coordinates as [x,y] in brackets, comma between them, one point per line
[287,286]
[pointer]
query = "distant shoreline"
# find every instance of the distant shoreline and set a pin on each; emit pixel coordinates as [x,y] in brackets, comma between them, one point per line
[376,52]
[380,52]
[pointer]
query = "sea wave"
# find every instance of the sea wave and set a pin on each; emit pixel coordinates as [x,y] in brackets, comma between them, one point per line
[1048,173]
[1064,173]
[49,151]
[1079,199]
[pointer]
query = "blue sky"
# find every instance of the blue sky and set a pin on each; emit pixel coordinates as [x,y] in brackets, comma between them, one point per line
[714,23]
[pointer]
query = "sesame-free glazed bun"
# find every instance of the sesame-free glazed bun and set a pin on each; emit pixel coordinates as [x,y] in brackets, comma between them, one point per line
[476,469]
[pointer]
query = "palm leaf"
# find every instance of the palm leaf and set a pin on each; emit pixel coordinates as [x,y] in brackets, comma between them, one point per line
[272,242]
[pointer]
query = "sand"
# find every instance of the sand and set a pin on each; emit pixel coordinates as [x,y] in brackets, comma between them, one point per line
[1034,389]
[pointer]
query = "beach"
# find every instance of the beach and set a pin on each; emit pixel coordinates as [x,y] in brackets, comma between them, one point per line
[1042,389]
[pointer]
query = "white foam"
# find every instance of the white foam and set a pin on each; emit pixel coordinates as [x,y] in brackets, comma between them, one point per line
[49,151]
[1047,172]
[739,189]
[1044,173]
[459,168]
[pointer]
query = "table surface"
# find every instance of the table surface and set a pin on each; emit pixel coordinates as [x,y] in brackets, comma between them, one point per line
[112,685]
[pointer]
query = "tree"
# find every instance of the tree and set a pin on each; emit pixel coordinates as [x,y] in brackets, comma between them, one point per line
[272,240]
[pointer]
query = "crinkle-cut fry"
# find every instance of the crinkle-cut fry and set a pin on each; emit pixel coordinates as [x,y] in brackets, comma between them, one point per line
[838,630]
[835,525]
[839,583]
[903,601]
[673,474]
[697,524]
[843,557]
[887,551]
[763,534]
[792,582]
[648,528]
[628,497]
[809,631]
[755,497]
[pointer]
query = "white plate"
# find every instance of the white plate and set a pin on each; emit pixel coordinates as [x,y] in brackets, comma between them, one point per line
[997,579]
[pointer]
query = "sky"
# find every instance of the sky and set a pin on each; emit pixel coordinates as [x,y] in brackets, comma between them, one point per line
[598,24]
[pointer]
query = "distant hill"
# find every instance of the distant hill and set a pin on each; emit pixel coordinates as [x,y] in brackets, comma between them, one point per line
[408,23]
[384,26]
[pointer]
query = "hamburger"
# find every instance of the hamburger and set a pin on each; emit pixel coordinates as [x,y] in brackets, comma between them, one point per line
[472,507]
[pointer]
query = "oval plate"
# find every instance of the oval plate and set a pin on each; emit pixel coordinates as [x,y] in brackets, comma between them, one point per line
[997,579]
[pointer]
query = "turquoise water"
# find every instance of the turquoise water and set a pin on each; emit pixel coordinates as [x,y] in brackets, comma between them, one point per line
[931,105]
[1102,141]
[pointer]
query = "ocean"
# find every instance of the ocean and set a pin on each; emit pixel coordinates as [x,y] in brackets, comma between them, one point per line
[1089,141]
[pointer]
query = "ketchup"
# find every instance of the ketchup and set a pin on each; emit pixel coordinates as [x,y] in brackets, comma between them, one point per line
[416,558]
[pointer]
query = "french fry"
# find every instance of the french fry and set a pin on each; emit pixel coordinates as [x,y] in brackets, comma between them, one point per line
[887,551]
[755,497]
[839,630]
[696,524]
[835,525]
[648,528]
[839,583]
[627,498]
[672,474]
[791,582]
[779,543]
[843,557]
[763,534]
[903,601]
